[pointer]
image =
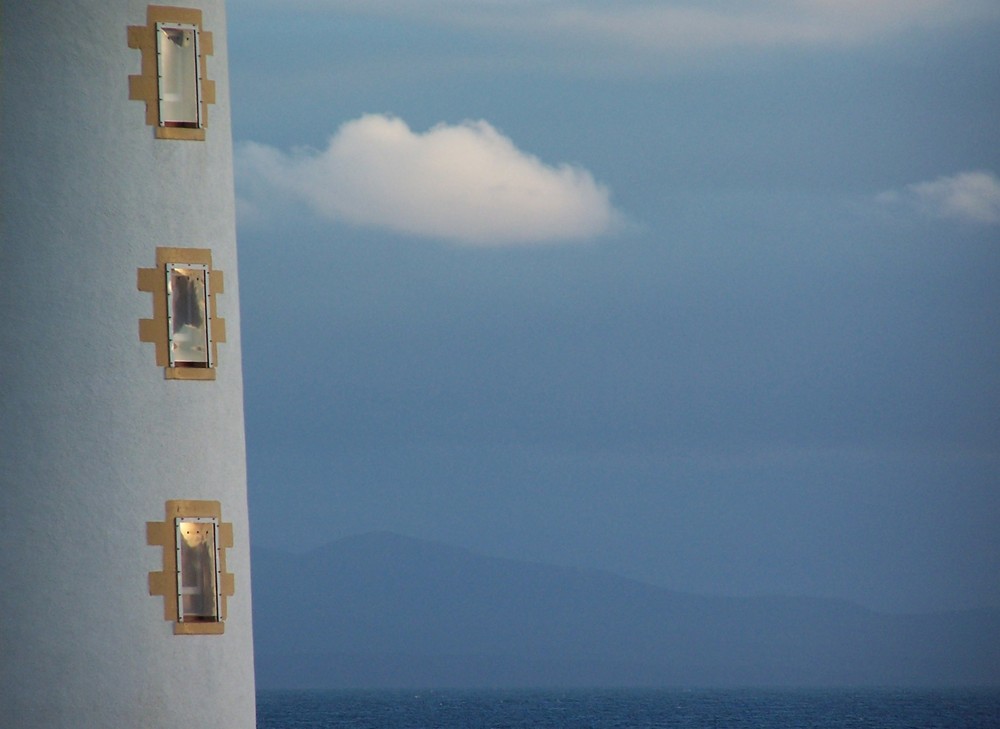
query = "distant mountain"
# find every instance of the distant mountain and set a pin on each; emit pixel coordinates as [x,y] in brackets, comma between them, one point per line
[382,610]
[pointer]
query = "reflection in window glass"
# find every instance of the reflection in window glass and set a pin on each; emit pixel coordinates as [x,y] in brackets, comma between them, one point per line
[187,315]
[197,569]
[177,71]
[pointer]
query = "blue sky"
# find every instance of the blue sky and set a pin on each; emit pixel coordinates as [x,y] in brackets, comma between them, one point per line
[702,293]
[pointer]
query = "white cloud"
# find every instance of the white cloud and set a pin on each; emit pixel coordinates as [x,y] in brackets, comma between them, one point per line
[466,183]
[968,196]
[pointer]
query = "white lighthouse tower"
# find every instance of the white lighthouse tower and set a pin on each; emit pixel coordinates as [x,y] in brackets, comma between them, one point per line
[124,550]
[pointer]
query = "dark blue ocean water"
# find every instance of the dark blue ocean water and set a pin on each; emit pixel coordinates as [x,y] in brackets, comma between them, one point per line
[604,709]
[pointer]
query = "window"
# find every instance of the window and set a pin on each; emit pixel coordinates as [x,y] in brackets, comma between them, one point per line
[198,596]
[194,582]
[184,327]
[189,327]
[174,81]
[178,75]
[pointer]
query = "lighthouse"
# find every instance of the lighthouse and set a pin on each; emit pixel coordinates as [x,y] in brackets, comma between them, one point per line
[124,542]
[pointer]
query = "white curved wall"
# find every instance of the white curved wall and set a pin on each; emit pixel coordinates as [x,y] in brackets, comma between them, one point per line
[93,439]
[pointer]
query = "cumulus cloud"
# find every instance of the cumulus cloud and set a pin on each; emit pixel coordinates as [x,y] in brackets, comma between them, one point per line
[968,196]
[466,183]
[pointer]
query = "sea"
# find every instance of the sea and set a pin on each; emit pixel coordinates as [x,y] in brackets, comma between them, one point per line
[631,709]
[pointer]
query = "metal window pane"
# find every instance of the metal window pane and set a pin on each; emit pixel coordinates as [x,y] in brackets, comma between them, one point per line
[188,320]
[178,79]
[197,569]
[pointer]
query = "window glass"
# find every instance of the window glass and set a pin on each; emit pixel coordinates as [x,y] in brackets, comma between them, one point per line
[187,315]
[197,569]
[177,75]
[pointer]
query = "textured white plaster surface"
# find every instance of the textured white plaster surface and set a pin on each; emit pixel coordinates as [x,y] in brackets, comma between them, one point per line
[93,439]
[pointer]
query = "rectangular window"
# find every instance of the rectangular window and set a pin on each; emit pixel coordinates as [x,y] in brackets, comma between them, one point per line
[178,70]
[197,569]
[189,326]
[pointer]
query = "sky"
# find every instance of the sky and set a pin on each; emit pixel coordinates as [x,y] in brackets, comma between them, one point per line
[702,293]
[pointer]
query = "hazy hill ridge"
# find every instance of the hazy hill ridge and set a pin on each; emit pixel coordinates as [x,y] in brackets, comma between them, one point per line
[381,610]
